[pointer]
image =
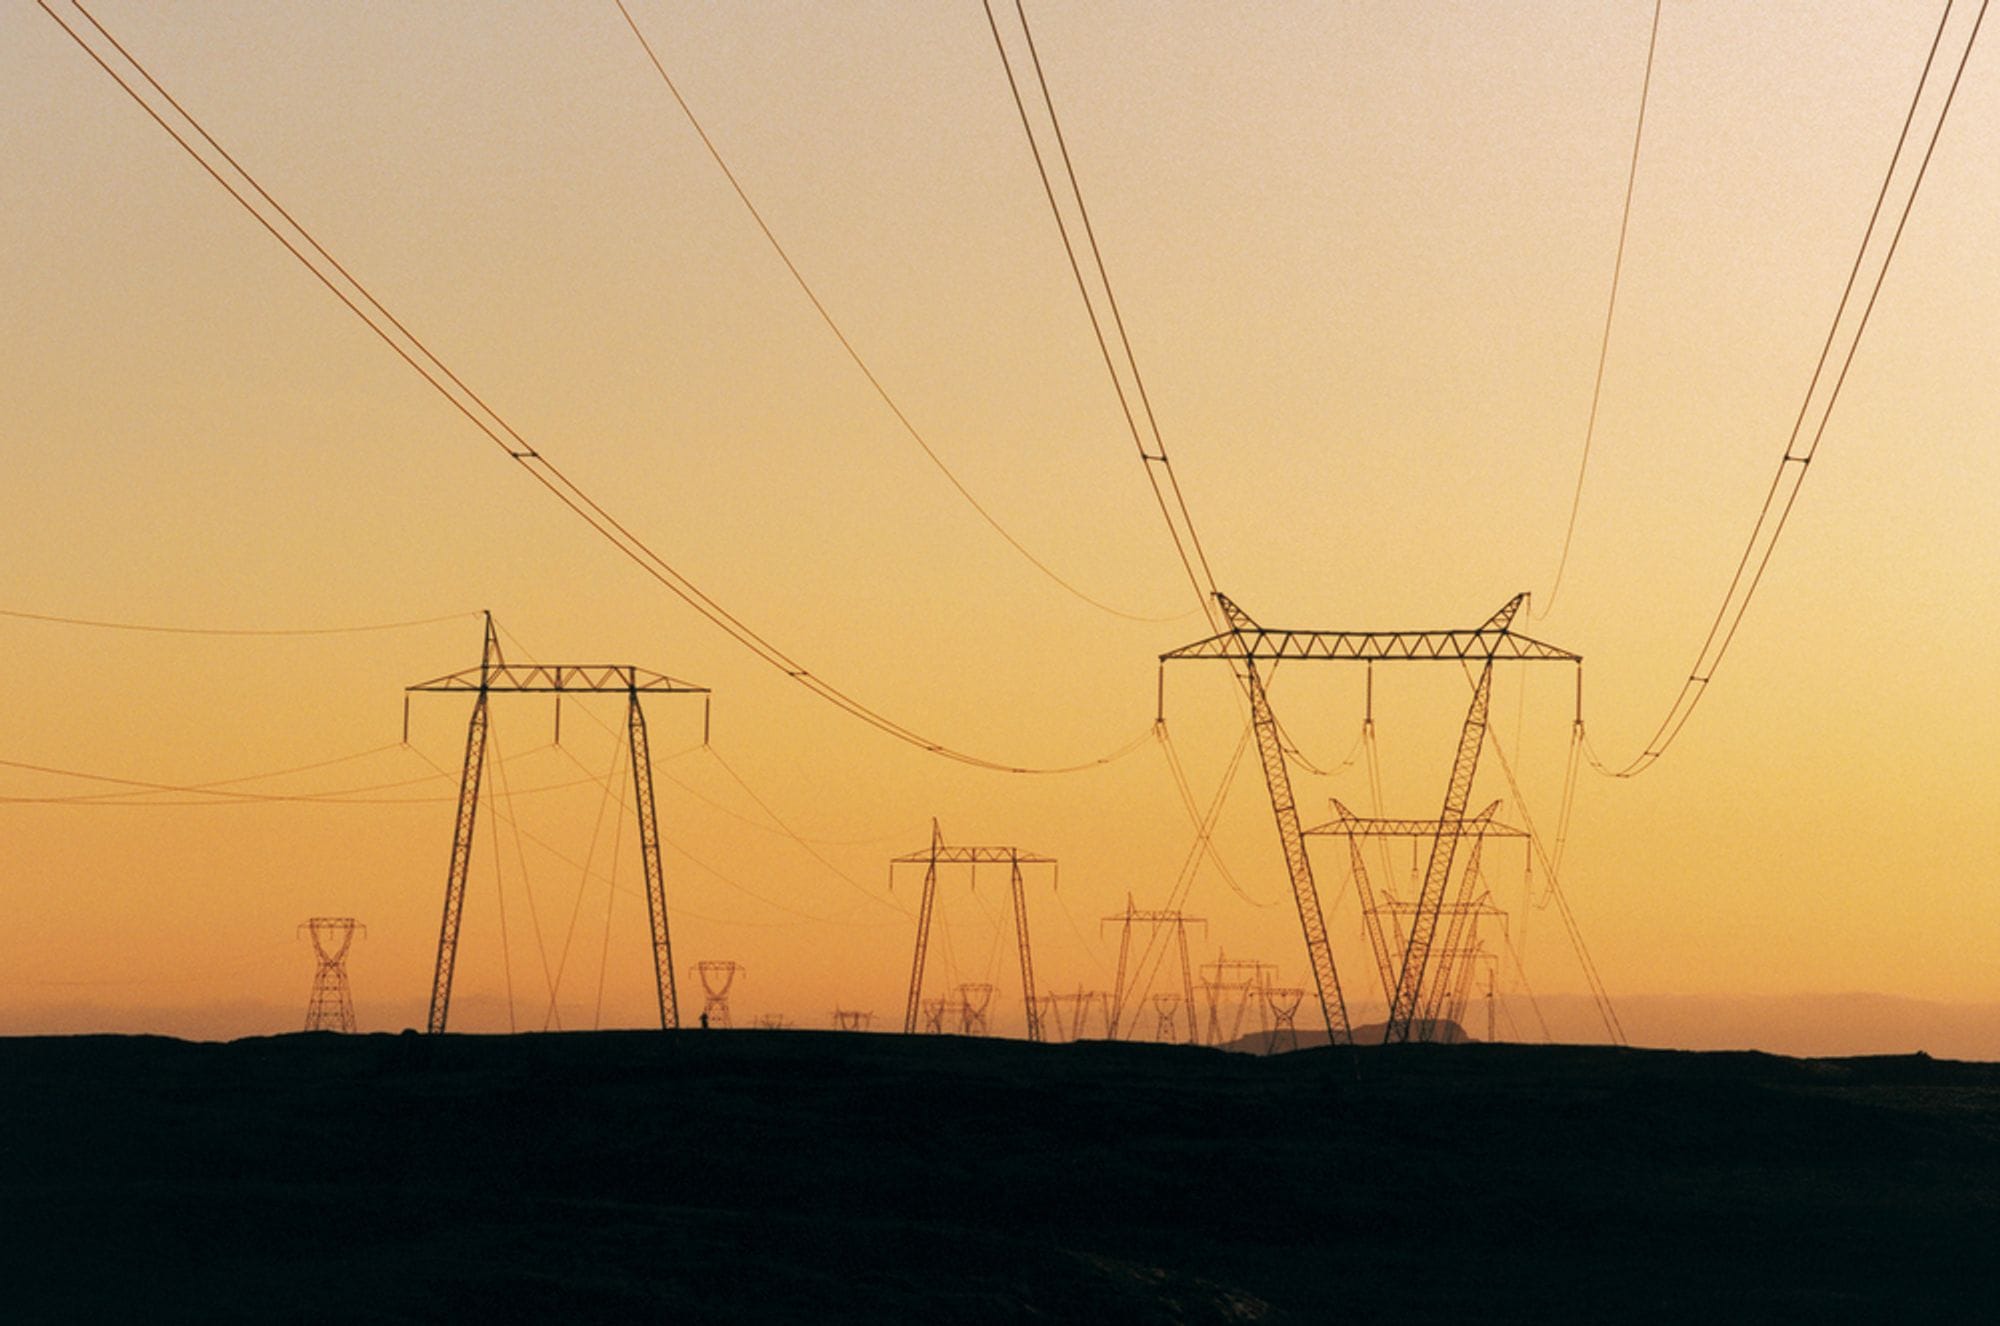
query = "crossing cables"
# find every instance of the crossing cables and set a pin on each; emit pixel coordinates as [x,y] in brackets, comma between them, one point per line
[128,72]
[854,355]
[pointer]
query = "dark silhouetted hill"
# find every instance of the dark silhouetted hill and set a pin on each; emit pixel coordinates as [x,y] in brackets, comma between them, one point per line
[820,1177]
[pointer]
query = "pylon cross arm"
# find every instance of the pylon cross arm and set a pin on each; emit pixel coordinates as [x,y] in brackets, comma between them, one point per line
[1247,641]
[1372,646]
[562,679]
[1346,822]
[982,856]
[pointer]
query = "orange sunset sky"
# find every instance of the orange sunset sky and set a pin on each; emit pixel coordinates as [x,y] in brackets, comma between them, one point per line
[1363,253]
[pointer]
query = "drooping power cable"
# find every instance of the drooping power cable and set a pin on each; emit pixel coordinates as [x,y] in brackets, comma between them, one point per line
[413,351]
[1610,312]
[847,345]
[1797,457]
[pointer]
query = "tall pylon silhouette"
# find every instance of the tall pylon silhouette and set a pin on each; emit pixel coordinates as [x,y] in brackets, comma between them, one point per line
[496,676]
[332,1005]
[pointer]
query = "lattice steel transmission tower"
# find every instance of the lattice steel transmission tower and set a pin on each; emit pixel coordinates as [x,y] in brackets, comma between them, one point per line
[496,676]
[331,1007]
[1244,979]
[716,978]
[1246,644]
[1382,917]
[1130,917]
[1086,1000]
[1283,1002]
[1165,1007]
[934,1015]
[1049,1008]
[1079,1005]
[975,1003]
[1462,993]
[853,1019]
[939,854]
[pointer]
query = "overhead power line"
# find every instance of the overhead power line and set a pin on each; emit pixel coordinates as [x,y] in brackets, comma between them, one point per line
[1610,312]
[1599,995]
[1814,410]
[263,632]
[344,286]
[847,345]
[1159,468]
[225,792]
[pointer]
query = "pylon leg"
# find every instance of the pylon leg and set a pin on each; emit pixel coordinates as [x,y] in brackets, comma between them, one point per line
[1423,925]
[1117,1008]
[1187,979]
[649,853]
[923,939]
[1278,780]
[1027,959]
[461,863]
[1445,994]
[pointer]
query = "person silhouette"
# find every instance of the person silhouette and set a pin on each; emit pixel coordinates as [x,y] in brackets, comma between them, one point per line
[704,1021]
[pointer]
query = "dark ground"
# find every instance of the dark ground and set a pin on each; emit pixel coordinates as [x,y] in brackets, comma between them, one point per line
[800,1176]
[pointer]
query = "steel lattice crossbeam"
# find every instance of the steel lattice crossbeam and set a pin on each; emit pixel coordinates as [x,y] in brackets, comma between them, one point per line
[977,856]
[561,678]
[1492,641]
[1372,826]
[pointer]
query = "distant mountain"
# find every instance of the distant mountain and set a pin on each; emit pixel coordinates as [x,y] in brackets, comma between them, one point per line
[1367,1033]
[1807,1026]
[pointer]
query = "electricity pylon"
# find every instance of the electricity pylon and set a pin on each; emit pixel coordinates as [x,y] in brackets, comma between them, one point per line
[1462,993]
[1245,978]
[496,676]
[1180,921]
[1283,1002]
[331,1007]
[974,1001]
[852,1019]
[1086,1000]
[1164,1008]
[1445,990]
[1049,1008]
[934,1013]
[1079,1005]
[1345,823]
[938,854]
[716,978]
[1246,643]
[1463,964]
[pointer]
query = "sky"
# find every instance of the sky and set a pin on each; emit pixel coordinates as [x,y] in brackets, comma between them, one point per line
[1363,254]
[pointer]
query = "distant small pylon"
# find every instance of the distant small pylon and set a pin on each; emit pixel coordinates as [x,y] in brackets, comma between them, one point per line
[934,1013]
[332,1005]
[716,978]
[973,1001]
[1284,1004]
